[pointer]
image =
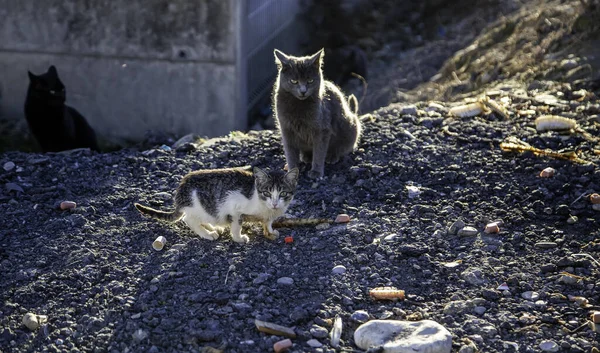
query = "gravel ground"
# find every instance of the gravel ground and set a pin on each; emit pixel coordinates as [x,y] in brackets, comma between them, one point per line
[92,271]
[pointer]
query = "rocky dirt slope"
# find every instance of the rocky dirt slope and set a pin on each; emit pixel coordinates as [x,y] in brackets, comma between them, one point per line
[93,272]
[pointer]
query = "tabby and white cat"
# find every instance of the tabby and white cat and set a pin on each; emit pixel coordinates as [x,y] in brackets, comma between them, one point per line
[207,200]
[317,122]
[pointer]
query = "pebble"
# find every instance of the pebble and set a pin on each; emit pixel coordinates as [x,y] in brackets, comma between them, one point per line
[545,245]
[314,343]
[318,331]
[360,316]
[468,232]
[395,336]
[479,310]
[8,166]
[596,207]
[547,172]
[339,270]
[458,307]
[409,110]
[548,268]
[568,280]
[549,346]
[286,281]
[456,226]
[474,276]
[413,191]
[530,295]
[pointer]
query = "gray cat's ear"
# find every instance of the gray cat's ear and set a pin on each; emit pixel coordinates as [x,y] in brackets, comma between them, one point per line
[280,57]
[317,57]
[292,176]
[260,175]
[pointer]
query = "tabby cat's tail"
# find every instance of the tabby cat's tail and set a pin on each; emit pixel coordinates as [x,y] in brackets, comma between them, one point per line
[160,215]
[353,103]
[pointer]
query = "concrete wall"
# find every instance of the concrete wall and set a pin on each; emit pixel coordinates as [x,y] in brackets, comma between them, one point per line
[129,65]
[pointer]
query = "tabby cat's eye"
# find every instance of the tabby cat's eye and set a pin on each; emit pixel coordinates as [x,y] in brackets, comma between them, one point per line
[266,194]
[295,82]
[283,194]
[311,81]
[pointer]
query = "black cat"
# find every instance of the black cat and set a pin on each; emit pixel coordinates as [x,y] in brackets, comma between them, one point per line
[55,125]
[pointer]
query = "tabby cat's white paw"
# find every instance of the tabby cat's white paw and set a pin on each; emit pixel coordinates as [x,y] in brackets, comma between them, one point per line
[242,239]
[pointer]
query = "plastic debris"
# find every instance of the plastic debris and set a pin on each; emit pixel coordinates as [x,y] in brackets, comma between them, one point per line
[159,243]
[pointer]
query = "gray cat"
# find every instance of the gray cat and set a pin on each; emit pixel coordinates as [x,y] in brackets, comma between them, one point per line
[207,200]
[317,122]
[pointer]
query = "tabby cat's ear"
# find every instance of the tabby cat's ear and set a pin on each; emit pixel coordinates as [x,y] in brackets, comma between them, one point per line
[52,70]
[260,175]
[281,58]
[292,176]
[317,57]
[32,77]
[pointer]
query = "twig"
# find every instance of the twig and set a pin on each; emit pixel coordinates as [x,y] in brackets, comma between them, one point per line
[589,256]
[365,85]
[580,196]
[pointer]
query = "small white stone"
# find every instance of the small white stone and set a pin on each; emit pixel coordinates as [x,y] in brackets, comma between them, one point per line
[8,166]
[286,281]
[530,295]
[549,346]
[339,269]
[314,343]
[413,191]
[390,237]
[468,232]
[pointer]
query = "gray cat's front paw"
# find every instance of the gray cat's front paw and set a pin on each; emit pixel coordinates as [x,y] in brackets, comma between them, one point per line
[332,160]
[313,174]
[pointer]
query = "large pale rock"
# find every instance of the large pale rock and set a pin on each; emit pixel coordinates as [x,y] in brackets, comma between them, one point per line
[395,336]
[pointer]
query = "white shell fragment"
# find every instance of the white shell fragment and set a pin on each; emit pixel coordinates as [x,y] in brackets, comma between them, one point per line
[159,243]
[33,321]
[554,123]
[336,332]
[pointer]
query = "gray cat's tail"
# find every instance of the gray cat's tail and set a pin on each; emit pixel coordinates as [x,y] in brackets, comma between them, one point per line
[353,103]
[160,215]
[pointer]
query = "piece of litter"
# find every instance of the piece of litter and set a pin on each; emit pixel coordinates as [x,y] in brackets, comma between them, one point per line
[282,346]
[342,218]
[67,205]
[274,329]
[386,293]
[159,243]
